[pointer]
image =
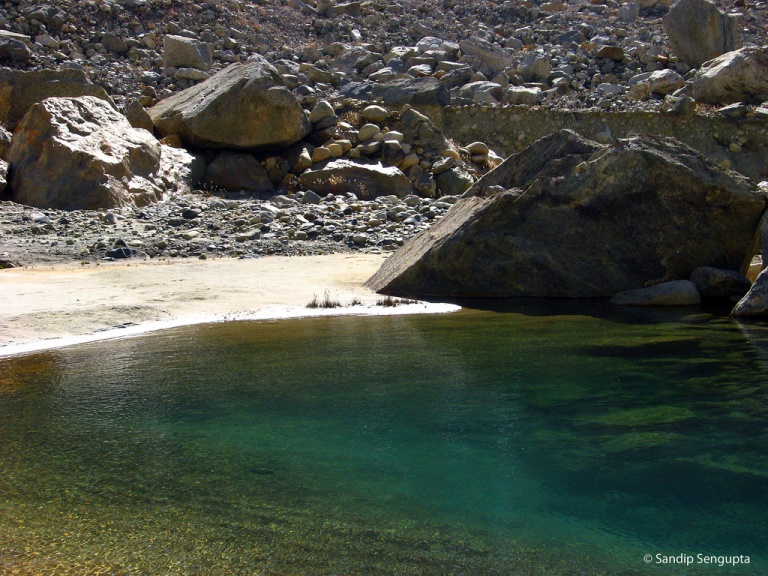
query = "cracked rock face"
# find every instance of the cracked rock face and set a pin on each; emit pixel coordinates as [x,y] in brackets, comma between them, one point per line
[568,217]
[79,153]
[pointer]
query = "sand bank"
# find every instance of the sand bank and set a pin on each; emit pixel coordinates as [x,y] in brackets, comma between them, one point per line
[50,306]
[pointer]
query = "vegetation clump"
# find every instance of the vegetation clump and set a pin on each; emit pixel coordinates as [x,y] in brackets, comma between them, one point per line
[390,302]
[326,302]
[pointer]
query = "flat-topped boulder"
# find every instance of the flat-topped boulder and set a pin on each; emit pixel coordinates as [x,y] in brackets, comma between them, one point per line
[19,90]
[246,106]
[568,217]
[367,180]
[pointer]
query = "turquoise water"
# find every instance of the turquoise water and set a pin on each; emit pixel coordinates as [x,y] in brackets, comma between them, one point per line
[483,442]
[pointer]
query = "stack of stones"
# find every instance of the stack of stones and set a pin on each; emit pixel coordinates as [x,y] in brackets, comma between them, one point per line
[404,140]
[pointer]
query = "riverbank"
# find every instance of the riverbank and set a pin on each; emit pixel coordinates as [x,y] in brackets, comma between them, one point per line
[47,306]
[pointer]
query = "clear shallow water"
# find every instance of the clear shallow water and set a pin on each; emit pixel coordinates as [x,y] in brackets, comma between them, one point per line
[483,442]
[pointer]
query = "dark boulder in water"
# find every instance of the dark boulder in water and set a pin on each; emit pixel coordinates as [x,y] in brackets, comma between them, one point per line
[568,217]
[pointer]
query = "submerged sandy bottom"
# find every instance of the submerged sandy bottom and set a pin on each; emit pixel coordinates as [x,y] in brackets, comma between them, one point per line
[50,306]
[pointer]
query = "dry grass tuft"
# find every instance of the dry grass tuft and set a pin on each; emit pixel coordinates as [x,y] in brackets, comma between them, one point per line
[326,302]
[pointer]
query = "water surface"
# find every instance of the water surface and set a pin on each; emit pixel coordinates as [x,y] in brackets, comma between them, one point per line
[483,442]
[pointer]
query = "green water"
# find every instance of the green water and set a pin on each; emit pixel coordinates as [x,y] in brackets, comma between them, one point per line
[483,442]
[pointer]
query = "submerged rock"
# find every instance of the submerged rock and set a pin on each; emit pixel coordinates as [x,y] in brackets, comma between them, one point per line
[676,293]
[568,217]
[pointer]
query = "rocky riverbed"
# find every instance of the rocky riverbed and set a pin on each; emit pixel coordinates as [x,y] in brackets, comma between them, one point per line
[199,225]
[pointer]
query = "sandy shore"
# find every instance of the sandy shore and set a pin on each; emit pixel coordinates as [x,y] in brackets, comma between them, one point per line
[49,306]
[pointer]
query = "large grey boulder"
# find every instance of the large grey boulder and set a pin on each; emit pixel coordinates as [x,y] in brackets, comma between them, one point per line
[138,116]
[306,8]
[568,217]
[349,8]
[368,180]
[79,153]
[182,52]
[482,91]
[20,90]
[458,77]
[698,31]
[322,6]
[245,106]
[51,16]
[665,81]
[524,96]
[739,76]
[16,36]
